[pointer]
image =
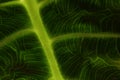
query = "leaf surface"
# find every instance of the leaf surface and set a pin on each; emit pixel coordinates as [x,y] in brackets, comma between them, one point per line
[59,40]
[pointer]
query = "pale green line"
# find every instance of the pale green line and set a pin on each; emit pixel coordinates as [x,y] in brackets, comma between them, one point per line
[84,35]
[33,12]
[14,36]
[10,3]
[42,4]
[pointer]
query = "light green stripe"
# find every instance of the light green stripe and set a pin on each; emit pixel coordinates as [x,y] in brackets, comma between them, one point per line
[33,12]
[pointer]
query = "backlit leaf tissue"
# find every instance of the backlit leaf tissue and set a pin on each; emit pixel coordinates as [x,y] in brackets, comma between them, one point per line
[59,39]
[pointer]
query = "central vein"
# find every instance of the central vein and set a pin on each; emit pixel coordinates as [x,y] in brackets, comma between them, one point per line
[38,26]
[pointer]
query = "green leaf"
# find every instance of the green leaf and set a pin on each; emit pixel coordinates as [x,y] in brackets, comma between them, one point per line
[59,40]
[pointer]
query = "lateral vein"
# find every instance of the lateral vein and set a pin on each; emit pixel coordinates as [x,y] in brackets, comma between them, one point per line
[84,35]
[11,3]
[14,36]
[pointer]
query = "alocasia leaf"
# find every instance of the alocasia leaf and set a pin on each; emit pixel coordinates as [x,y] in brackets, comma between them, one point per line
[59,40]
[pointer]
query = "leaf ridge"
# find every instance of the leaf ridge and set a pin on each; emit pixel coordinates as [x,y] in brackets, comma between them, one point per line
[11,3]
[14,36]
[43,37]
[84,35]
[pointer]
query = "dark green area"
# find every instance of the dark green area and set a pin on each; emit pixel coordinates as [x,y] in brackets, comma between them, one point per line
[23,58]
[12,19]
[69,16]
[76,54]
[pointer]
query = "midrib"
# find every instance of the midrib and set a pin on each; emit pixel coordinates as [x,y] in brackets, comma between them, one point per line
[33,12]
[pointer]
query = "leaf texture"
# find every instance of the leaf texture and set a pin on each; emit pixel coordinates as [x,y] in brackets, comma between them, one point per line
[60,40]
